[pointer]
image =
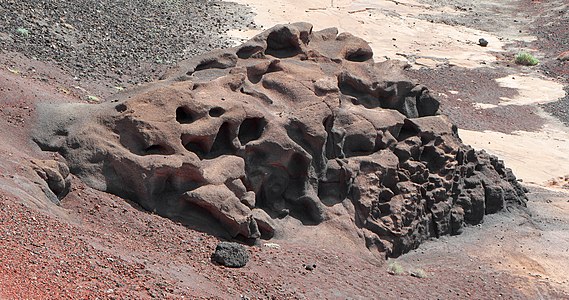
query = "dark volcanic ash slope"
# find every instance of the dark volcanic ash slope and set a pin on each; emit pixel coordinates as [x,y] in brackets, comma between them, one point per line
[124,40]
[291,125]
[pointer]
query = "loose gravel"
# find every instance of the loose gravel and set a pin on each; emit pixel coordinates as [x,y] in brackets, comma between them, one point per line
[553,39]
[126,41]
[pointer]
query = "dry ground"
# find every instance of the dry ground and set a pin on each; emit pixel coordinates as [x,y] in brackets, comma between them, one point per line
[97,245]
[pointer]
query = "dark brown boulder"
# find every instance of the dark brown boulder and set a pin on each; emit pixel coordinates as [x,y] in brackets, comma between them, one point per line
[293,124]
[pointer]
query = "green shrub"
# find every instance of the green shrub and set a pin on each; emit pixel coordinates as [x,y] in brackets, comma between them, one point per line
[22,31]
[93,99]
[394,268]
[526,59]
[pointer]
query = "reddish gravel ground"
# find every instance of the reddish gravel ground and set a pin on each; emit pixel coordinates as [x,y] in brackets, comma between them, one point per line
[553,39]
[109,249]
[459,89]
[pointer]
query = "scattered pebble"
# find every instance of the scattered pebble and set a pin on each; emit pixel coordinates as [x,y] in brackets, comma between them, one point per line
[272,245]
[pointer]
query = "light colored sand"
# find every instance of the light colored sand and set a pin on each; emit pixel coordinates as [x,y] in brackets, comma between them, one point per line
[533,156]
[392,30]
[395,32]
[532,89]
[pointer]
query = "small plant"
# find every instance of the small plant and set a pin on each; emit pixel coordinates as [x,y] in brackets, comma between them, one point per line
[419,273]
[23,31]
[13,71]
[92,99]
[526,59]
[394,268]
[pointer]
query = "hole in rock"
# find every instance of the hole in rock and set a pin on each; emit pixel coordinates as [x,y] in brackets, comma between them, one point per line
[332,193]
[247,51]
[195,144]
[359,55]
[196,148]
[222,62]
[251,129]
[282,44]
[222,144]
[184,115]
[158,150]
[332,150]
[247,90]
[298,166]
[384,209]
[216,112]
[407,130]
[120,108]
[254,74]
[139,142]
[205,65]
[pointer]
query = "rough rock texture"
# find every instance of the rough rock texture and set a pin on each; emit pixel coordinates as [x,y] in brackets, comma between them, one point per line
[231,255]
[291,124]
[56,176]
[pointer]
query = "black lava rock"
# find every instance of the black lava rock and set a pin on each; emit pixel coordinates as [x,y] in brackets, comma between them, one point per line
[231,255]
[483,42]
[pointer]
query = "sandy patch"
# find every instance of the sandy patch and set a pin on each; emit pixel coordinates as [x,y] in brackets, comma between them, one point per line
[531,89]
[535,157]
[485,105]
[533,247]
[392,28]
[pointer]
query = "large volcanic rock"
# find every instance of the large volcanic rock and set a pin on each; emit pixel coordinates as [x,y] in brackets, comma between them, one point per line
[291,124]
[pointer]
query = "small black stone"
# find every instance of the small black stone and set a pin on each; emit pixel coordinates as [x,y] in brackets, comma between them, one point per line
[483,42]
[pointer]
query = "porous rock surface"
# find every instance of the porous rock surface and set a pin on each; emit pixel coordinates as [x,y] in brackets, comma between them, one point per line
[231,255]
[291,124]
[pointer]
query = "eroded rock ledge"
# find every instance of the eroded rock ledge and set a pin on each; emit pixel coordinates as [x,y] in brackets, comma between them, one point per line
[291,124]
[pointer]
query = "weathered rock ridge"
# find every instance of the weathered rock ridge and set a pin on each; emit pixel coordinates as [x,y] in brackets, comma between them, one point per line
[291,124]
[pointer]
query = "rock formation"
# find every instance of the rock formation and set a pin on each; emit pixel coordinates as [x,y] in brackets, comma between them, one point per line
[56,177]
[291,124]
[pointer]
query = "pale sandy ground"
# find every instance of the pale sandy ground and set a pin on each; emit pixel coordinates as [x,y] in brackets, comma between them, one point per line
[395,32]
[535,247]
